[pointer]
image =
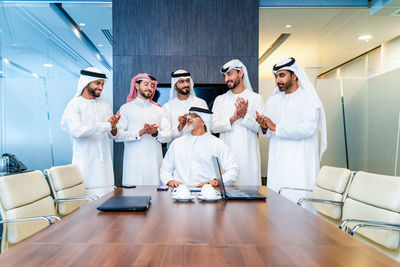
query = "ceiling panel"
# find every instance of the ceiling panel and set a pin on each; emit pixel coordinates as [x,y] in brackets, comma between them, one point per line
[322,38]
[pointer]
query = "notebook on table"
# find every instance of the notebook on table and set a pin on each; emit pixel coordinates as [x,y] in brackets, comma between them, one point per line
[125,203]
[239,194]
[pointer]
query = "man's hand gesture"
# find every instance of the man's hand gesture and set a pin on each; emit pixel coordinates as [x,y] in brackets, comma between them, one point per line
[182,122]
[113,120]
[241,107]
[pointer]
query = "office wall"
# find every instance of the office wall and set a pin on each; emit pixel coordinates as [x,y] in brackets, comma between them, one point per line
[160,36]
[372,108]
[383,122]
[329,93]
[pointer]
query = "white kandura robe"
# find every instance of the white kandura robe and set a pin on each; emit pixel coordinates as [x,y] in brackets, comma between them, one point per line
[241,136]
[86,120]
[142,154]
[189,160]
[293,159]
[176,108]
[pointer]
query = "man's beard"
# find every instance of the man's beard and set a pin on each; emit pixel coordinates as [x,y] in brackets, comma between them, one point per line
[235,83]
[286,86]
[188,128]
[183,92]
[143,93]
[93,91]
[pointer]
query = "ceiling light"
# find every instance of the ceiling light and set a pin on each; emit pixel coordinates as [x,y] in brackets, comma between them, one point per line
[14,44]
[82,24]
[47,65]
[6,61]
[35,75]
[1,72]
[99,45]
[364,37]
[288,26]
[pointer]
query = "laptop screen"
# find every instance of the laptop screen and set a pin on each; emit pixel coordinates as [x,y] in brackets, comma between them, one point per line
[219,176]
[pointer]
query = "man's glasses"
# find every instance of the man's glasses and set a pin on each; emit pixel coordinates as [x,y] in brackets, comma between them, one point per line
[193,115]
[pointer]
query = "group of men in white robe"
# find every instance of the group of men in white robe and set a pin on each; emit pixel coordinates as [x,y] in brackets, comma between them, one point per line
[291,119]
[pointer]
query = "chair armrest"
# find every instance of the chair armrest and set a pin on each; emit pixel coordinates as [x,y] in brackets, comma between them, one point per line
[293,188]
[376,225]
[46,218]
[366,222]
[317,200]
[91,198]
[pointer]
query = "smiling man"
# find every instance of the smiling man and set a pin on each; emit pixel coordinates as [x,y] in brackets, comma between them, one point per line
[189,158]
[181,98]
[291,119]
[90,123]
[143,127]
[234,120]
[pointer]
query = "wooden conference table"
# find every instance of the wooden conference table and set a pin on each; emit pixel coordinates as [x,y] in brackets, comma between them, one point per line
[275,232]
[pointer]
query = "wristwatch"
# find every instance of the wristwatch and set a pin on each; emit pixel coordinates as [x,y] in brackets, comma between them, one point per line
[155,134]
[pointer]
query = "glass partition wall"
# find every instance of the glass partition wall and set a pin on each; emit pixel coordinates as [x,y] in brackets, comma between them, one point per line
[370,89]
[41,56]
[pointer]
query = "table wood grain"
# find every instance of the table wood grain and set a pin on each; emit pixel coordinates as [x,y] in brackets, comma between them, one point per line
[275,232]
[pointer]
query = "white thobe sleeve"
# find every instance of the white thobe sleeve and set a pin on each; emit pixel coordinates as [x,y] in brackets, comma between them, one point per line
[228,163]
[175,133]
[72,122]
[123,134]
[174,130]
[299,130]
[168,165]
[164,131]
[249,121]
[220,122]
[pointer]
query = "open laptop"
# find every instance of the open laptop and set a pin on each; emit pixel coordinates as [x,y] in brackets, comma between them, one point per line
[240,194]
[125,203]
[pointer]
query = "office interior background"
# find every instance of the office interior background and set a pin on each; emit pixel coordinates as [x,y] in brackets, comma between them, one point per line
[349,49]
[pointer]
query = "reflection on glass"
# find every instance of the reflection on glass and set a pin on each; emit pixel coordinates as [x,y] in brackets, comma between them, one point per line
[41,60]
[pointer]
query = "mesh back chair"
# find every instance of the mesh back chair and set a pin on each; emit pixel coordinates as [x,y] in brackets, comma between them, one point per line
[26,206]
[68,189]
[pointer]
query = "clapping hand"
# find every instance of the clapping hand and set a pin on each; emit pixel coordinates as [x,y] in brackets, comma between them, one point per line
[241,107]
[151,128]
[262,121]
[265,122]
[113,120]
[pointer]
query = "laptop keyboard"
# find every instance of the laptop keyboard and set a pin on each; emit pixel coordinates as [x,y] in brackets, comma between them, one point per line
[235,193]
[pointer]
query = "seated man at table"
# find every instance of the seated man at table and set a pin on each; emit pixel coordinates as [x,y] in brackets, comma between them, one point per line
[189,158]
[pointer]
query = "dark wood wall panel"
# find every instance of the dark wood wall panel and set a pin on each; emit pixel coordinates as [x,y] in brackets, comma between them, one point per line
[161,36]
[186,27]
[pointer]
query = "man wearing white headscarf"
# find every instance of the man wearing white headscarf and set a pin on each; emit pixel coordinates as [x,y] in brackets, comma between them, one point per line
[90,122]
[143,127]
[181,98]
[291,119]
[189,158]
[234,119]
